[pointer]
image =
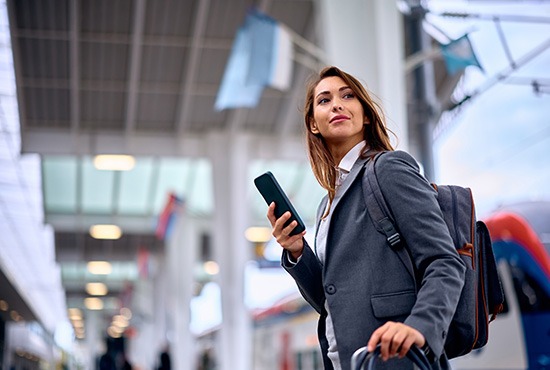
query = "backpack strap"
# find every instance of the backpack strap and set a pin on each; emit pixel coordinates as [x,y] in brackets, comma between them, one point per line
[381,214]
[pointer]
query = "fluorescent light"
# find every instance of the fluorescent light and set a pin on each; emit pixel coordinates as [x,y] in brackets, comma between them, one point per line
[105,232]
[258,234]
[114,162]
[99,267]
[96,289]
[93,303]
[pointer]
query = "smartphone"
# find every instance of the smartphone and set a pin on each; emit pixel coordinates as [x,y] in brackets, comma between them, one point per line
[272,192]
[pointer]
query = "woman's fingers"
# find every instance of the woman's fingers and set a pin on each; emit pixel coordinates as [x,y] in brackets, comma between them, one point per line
[271,214]
[281,233]
[395,339]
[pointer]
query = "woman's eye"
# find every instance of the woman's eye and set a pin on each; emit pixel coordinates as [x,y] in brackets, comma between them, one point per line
[323,100]
[349,95]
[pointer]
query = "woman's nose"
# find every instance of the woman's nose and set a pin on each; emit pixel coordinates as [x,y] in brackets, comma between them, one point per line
[336,106]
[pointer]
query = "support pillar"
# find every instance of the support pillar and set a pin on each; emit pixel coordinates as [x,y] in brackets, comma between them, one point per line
[182,250]
[365,38]
[95,337]
[422,118]
[139,350]
[229,156]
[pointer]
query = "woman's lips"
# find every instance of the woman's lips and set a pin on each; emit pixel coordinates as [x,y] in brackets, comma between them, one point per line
[339,117]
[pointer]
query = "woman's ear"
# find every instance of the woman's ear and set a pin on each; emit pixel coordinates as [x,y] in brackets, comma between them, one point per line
[313,128]
[366,120]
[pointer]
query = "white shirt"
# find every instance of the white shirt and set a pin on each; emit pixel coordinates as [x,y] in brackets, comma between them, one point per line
[344,167]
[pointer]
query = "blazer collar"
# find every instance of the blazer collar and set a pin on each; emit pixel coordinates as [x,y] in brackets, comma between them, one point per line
[355,170]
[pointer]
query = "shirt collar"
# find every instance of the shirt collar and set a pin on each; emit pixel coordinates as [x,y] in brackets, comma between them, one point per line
[349,159]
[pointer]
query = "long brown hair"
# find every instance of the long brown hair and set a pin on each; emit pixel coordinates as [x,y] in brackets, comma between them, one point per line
[375,133]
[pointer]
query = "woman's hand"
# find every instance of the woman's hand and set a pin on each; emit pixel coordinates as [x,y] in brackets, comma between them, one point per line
[293,244]
[395,339]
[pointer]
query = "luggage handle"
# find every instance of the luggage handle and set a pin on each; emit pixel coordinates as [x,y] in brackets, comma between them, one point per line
[362,357]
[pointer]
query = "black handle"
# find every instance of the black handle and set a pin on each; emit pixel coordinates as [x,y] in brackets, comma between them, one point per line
[362,357]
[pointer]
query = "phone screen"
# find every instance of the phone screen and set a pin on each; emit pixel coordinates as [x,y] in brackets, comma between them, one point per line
[272,192]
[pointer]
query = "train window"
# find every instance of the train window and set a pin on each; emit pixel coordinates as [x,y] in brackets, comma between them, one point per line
[530,294]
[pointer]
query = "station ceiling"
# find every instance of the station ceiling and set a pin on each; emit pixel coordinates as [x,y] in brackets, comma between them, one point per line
[140,77]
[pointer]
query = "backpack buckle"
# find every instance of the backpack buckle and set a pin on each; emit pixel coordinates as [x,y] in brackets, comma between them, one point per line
[394,239]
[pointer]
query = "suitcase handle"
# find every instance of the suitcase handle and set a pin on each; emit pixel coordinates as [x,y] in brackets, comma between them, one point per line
[362,357]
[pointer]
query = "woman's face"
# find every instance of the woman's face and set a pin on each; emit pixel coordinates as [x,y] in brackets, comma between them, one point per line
[337,113]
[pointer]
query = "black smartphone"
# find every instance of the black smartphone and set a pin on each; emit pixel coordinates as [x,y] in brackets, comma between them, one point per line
[272,192]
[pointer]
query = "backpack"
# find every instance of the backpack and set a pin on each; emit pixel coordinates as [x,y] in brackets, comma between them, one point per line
[482,296]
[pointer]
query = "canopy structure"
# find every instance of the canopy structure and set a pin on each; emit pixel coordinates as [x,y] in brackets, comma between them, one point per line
[140,78]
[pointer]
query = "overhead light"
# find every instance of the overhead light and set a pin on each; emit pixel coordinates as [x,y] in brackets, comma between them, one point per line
[15,315]
[126,312]
[211,268]
[114,162]
[93,303]
[75,314]
[96,289]
[105,232]
[114,332]
[258,234]
[120,321]
[99,267]
[79,330]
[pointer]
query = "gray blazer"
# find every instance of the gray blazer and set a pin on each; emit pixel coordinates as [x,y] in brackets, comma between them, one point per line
[364,281]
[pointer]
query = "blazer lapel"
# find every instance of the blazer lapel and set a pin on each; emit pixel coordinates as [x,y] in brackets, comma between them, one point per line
[355,170]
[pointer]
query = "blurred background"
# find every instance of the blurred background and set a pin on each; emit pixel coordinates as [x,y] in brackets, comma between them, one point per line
[131,234]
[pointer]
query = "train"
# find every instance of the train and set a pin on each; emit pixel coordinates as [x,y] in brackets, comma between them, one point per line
[519,338]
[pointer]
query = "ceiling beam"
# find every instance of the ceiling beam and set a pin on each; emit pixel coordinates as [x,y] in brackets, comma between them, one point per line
[50,142]
[17,63]
[135,65]
[82,222]
[75,65]
[192,66]
[216,43]
[203,89]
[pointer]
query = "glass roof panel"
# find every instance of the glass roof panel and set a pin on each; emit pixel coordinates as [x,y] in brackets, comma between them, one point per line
[97,188]
[121,271]
[135,188]
[297,181]
[144,190]
[199,193]
[59,181]
[172,175]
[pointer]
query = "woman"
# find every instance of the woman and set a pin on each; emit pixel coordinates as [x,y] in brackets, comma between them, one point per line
[356,282]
